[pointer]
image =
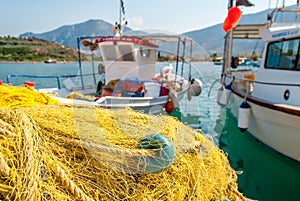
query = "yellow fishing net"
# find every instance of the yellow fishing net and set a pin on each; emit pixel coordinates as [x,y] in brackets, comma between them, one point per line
[50,151]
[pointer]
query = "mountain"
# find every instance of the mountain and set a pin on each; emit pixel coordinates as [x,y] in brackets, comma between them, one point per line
[210,38]
[67,35]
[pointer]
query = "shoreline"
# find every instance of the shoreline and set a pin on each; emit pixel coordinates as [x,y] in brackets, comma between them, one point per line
[34,62]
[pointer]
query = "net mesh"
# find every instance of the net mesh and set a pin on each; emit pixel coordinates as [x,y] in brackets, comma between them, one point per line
[50,151]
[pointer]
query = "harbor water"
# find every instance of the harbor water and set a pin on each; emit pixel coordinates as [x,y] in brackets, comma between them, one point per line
[263,174]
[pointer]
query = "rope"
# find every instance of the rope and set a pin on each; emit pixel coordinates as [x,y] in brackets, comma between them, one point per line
[4,168]
[30,159]
[212,87]
[111,150]
[70,185]
[5,128]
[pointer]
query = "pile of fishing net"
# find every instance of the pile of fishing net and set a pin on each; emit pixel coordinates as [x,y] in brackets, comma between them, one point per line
[50,151]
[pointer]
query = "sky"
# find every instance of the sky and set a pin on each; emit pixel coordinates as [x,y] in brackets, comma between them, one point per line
[177,16]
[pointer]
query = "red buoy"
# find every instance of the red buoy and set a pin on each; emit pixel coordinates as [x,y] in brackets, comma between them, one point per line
[29,85]
[169,107]
[232,19]
[227,25]
[234,15]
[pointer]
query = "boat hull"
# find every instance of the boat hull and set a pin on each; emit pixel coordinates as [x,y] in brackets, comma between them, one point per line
[277,126]
[152,105]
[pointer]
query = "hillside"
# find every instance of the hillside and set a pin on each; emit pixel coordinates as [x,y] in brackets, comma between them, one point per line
[27,49]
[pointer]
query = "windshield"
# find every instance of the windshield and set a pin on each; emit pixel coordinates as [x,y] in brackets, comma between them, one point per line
[118,53]
[283,55]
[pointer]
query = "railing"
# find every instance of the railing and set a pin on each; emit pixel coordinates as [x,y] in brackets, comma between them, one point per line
[8,78]
[260,82]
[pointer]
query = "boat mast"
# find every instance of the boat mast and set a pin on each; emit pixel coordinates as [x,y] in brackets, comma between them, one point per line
[120,16]
[227,47]
[79,61]
[122,22]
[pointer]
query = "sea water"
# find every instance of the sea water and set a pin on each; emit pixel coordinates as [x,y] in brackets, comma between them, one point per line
[263,174]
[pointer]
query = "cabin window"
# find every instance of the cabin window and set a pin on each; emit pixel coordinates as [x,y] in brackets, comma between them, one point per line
[283,55]
[145,52]
[109,52]
[126,53]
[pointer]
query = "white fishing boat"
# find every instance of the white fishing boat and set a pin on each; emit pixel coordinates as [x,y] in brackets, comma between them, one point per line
[131,77]
[266,101]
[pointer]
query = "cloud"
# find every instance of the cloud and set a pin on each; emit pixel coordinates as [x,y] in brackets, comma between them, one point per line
[136,23]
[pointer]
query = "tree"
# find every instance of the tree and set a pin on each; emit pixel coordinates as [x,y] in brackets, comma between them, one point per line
[213,56]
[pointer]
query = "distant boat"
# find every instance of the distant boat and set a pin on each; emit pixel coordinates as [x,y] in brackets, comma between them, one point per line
[50,61]
[218,61]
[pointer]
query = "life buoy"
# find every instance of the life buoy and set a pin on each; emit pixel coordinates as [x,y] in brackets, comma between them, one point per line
[163,157]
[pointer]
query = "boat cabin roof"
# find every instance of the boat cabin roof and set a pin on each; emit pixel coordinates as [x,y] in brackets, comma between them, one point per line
[263,31]
[248,31]
[271,30]
[280,32]
[129,39]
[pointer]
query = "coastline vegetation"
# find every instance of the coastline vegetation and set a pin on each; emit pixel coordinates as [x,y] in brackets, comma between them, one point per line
[252,57]
[31,49]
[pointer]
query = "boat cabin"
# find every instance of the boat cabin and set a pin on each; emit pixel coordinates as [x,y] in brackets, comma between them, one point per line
[281,66]
[127,57]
